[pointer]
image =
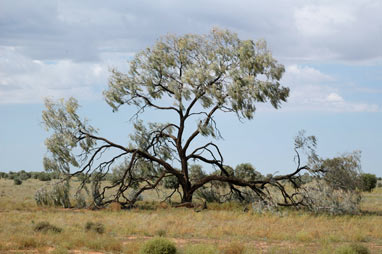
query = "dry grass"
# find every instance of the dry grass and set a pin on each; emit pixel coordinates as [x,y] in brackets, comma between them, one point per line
[220,229]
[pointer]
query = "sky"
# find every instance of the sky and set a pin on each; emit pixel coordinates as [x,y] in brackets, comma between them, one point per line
[332,52]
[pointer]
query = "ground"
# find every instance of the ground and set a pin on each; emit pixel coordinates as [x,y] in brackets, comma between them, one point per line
[219,229]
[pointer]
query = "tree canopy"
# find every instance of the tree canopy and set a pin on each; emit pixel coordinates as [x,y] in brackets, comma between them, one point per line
[193,77]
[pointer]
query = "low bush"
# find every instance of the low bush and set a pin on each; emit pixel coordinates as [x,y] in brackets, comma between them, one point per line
[46,227]
[94,227]
[42,176]
[352,249]
[158,246]
[369,182]
[57,196]
[320,197]
[17,181]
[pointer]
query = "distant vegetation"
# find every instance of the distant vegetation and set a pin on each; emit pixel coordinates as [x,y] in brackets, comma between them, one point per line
[23,175]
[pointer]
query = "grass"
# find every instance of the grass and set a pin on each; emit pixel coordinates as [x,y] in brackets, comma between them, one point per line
[219,229]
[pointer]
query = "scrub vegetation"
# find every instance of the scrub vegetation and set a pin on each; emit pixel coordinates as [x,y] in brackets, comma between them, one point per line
[221,228]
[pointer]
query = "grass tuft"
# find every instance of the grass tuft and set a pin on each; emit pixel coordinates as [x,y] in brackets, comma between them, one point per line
[233,248]
[46,227]
[158,246]
[95,227]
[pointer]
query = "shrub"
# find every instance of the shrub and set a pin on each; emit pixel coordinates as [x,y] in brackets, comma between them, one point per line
[46,227]
[57,196]
[95,227]
[247,171]
[158,246]
[24,175]
[17,181]
[208,194]
[369,182]
[170,182]
[60,195]
[379,185]
[352,249]
[319,197]
[44,177]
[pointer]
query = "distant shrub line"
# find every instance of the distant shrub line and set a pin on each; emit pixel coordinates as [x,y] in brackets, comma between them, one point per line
[42,176]
[23,175]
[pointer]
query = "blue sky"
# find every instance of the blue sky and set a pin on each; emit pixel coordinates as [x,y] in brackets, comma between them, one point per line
[332,52]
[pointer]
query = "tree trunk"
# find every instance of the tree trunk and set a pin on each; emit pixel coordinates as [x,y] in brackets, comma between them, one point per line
[187,194]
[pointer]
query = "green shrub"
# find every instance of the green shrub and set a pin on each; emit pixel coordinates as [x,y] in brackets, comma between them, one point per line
[352,249]
[369,182]
[44,177]
[24,175]
[17,181]
[158,246]
[95,227]
[209,194]
[46,227]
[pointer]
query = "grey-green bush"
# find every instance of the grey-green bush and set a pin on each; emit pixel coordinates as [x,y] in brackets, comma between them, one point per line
[57,196]
[158,246]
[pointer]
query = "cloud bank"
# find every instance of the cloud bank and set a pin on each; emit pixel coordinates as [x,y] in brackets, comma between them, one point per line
[64,48]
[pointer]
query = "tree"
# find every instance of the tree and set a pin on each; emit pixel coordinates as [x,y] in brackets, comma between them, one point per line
[192,77]
[343,172]
[369,182]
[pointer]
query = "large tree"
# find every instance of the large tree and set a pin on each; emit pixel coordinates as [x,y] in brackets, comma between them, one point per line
[191,77]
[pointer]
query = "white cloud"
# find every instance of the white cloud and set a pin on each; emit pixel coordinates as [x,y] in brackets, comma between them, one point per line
[316,20]
[333,97]
[80,30]
[24,80]
[312,90]
[63,48]
[297,73]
